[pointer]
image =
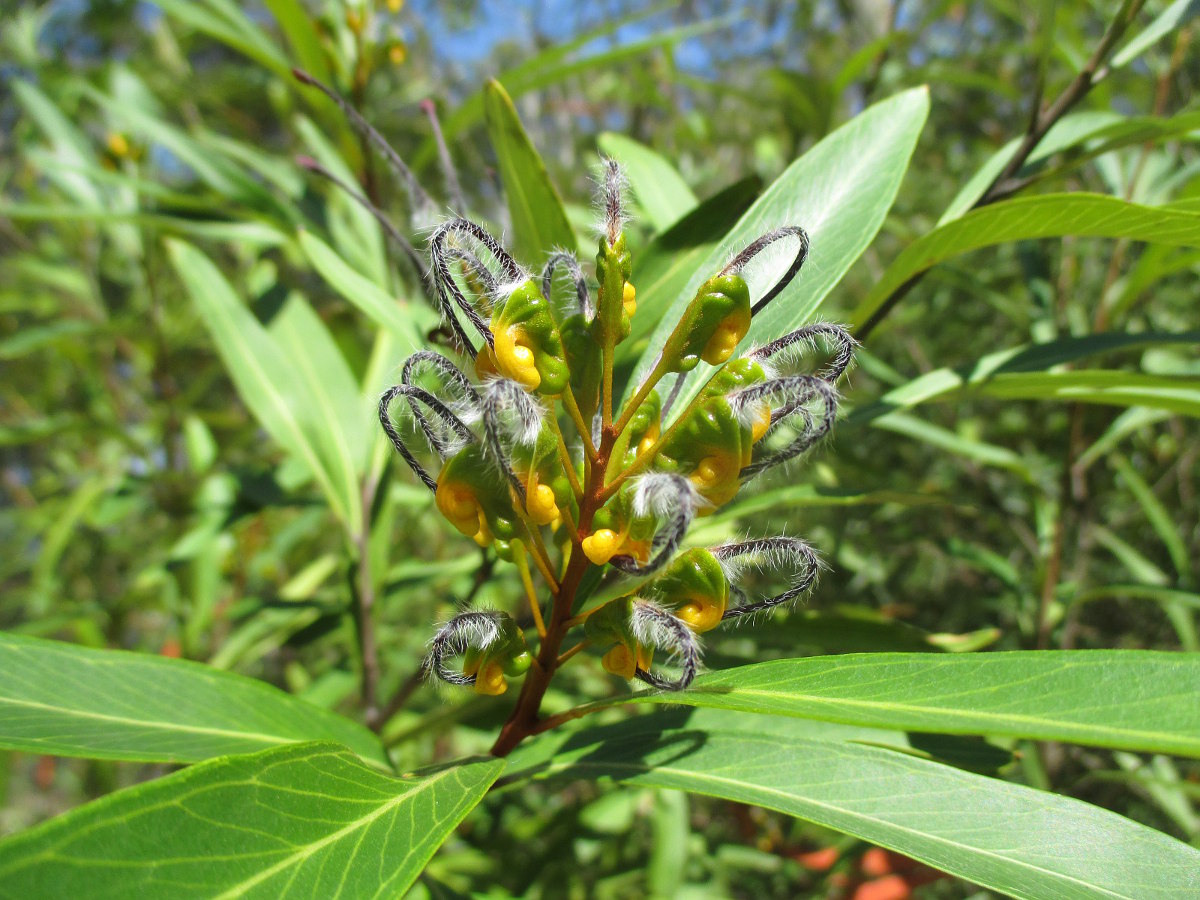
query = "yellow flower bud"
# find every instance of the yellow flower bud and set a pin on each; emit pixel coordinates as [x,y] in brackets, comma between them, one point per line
[601,546]
[539,503]
[701,614]
[762,421]
[514,358]
[620,661]
[726,338]
[394,6]
[118,145]
[629,299]
[490,679]
[649,439]
[458,503]
[716,478]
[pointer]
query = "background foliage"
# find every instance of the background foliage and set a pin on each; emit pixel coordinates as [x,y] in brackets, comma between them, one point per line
[194,331]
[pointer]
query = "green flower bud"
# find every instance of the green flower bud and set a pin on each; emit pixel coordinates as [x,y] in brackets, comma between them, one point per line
[528,348]
[712,326]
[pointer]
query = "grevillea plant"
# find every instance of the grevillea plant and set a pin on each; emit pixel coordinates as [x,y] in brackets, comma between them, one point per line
[539,457]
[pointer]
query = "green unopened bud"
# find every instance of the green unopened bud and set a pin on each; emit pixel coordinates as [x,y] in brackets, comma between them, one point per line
[712,326]
[617,301]
[474,498]
[528,348]
[695,589]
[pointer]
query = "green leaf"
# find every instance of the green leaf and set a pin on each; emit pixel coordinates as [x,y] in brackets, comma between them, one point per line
[306,820]
[321,372]
[1127,699]
[1011,838]
[266,381]
[66,700]
[1107,388]
[658,189]
[1177,14]
[807,495]
[1157,515]
[1026,218]
[372,300]
[539,222]
[230,28]
[299,27]
[839,191]
[952,442]
[1019,373]
[1066,132]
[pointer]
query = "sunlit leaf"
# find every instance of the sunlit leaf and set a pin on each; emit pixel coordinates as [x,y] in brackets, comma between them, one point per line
[539,222]
[309,819]
[66,700]
[1014,839]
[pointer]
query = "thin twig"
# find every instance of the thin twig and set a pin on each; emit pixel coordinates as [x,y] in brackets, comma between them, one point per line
[1006,184]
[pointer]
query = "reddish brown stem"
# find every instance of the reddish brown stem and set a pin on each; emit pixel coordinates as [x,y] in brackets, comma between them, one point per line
[524,720]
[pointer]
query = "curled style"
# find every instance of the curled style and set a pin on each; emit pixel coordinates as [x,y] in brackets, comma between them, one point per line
[774,553]
[575,272]
[612,184]
[442,253]
[735,265]
[807,338]
[796,393]
[421,200]
[470,630]
[391,231]
[506,398]
[435,406]
[673,500]
[654,626]
[449,375]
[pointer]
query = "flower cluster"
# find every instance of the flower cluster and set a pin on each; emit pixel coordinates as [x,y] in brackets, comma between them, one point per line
[535,459]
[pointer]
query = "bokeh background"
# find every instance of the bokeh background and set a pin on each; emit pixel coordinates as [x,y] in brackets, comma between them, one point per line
[146,505]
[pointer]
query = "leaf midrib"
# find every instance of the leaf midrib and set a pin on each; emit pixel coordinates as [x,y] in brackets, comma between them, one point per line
[304,853]
[1173,739]
[689,775]
[149,723]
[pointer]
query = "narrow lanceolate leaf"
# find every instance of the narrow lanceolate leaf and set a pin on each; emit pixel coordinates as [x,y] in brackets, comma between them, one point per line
[304,821]
[322,373]
[658,189]
[65,700]
[1007,837]
[839,192]
[266,381]
[1129,699]
[1021,373]
[539,222]
[1044,216]
[371,299]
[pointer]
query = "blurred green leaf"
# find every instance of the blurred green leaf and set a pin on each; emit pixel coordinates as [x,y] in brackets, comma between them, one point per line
[384,310]
[266,381]
[1174,16]
[1023,842]
[539,222]
[309,819]
[1026,218]
[1020,373]
[66,700]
